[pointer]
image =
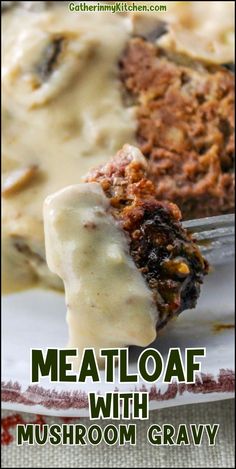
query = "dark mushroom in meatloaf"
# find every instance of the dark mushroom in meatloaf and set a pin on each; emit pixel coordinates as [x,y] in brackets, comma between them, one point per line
[163,251]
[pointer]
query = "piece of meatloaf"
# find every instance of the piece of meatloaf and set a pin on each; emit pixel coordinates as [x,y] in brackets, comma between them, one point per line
[185,113]
[162,250]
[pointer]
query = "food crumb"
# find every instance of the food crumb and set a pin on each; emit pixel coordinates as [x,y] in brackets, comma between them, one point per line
[219,327]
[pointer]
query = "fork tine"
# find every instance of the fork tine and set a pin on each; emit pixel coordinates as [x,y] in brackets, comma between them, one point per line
[215,237]
[211,235]
[212,223]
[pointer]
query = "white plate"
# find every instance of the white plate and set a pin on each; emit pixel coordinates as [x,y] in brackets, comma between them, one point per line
[37,319]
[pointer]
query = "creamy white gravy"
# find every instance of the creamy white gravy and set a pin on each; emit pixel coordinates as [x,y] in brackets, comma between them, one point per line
[70,122]
[202,30]
[108,302]
[60,120]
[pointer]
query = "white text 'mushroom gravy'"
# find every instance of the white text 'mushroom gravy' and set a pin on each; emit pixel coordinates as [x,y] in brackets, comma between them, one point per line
[108,302]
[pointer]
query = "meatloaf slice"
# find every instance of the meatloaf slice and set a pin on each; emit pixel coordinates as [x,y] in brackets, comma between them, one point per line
[185,113]
[162,250]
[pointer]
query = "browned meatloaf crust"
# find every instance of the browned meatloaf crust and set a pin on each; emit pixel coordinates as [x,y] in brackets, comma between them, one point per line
[162,250]
[185,114]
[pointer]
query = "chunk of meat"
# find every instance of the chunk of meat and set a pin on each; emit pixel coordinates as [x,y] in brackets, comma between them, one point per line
[162,250]
[185,113]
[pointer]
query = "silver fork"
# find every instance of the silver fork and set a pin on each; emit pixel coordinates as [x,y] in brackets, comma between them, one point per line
[215,237]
